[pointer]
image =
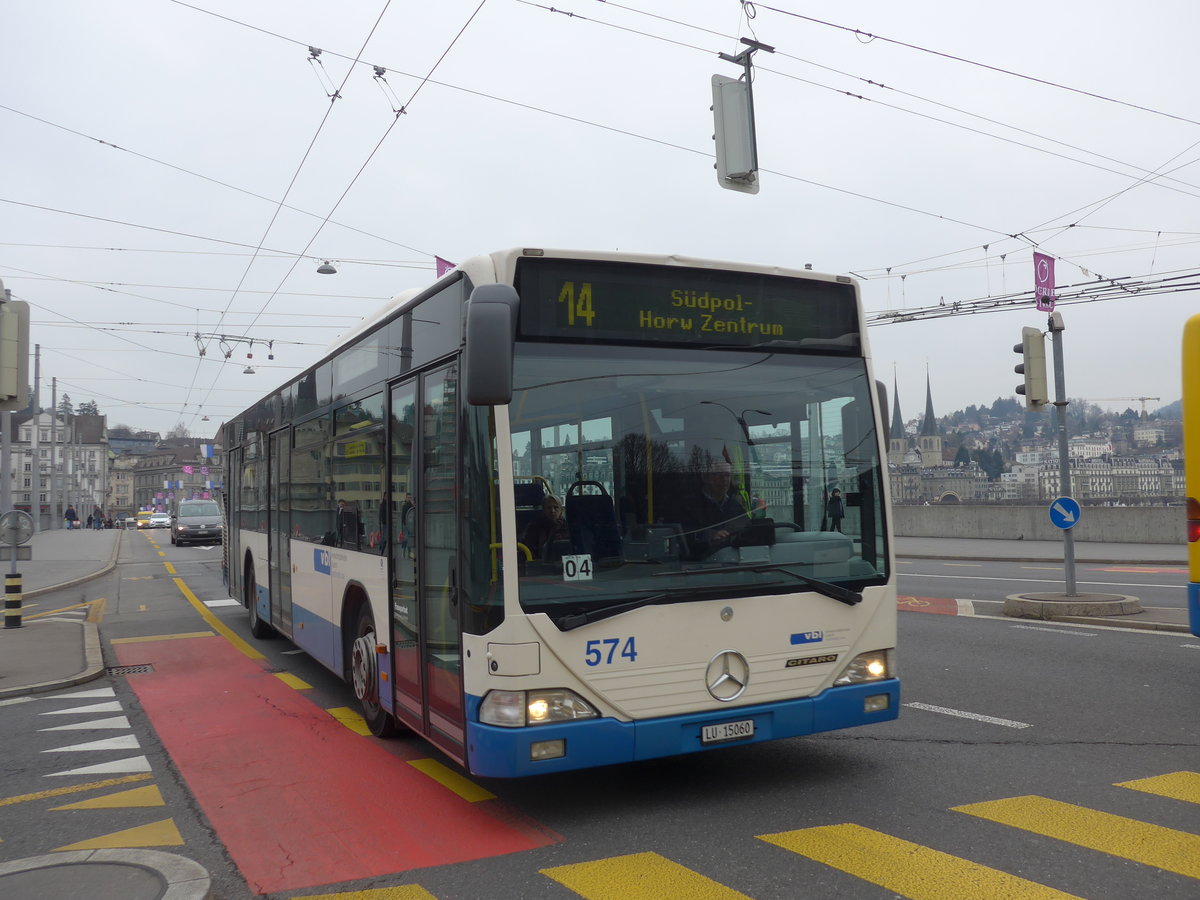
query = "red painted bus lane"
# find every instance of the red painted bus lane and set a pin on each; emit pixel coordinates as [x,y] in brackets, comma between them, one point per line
[297,798]
[946,606]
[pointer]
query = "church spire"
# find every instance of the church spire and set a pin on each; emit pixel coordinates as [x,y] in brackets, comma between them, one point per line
[896,432]
[929,426]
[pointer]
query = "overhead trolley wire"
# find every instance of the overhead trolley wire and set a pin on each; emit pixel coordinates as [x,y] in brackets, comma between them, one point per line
[970,62]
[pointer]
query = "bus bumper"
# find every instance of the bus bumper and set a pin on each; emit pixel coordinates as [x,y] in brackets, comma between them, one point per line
[495,752]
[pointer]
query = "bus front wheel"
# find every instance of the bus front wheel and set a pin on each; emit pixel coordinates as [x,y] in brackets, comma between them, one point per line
[364,676]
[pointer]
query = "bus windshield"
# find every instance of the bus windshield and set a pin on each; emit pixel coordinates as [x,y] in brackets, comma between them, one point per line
[692,474]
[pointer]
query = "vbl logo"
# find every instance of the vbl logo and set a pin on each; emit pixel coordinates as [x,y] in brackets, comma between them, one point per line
[808,637]
[321,562]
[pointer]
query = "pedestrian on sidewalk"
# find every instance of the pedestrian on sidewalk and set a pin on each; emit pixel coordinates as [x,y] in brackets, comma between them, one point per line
[70,517]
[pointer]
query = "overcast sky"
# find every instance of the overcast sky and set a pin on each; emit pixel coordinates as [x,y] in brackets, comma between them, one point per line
[176,168]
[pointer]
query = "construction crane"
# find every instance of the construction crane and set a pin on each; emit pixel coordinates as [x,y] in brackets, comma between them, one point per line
[1141,399]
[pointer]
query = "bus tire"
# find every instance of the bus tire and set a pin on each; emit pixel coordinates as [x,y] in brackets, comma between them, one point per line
[364,676]
[258,627]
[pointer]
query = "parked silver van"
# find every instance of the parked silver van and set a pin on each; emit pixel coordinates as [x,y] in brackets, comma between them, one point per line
[196,520]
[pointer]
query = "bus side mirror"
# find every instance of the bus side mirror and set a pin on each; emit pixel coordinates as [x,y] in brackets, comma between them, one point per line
[491,333]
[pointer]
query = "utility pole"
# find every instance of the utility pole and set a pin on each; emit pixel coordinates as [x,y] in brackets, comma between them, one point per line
[1055,326]
[55,480]
[35,496]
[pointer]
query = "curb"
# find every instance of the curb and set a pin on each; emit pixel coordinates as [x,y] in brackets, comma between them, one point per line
[181,878]
[104,570]
[93,665]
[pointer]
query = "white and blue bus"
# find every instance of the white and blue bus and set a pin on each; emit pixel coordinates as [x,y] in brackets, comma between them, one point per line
[712,434]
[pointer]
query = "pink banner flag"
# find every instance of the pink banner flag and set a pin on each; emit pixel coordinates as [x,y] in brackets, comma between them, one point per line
[443,266]
[187,470]
[1043,281]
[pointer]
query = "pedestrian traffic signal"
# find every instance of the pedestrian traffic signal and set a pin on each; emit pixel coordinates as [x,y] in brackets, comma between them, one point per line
[1033,353]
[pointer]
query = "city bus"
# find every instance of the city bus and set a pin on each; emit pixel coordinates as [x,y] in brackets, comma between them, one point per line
[685,421]
[1191,462]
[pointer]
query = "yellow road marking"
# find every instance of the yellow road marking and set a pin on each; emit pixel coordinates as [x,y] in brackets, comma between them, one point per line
[351,719]
[156,834]
[75,789]
[170,568]
[292,681]
[400,892]
[1177,785]
[639,876]
[163,637]
[216,624]
[149,795]
[1153,845]
[96,613]
[450,779]
[162,552]
[916,872]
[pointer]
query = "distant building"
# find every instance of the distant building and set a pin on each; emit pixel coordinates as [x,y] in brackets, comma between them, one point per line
[177,470]
[71,454]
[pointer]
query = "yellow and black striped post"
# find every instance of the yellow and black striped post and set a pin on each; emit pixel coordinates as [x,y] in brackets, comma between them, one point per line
[12,600]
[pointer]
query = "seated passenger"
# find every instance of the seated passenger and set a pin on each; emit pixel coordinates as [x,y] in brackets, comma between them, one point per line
[550,527]
[716,515]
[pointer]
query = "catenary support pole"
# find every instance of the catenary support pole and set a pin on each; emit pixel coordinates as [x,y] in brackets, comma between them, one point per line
[1056,328]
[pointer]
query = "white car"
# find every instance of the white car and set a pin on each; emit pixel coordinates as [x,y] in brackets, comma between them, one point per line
[160,520]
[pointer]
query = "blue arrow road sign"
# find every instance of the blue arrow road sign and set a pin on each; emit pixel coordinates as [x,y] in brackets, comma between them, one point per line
[1064,513]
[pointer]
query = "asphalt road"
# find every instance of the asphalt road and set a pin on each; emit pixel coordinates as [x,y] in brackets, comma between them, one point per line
[1040,722]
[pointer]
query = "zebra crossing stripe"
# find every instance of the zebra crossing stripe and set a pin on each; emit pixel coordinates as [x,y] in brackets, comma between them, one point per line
[1140,842]
[95,724]
[639,876]
[905,868]
[1183,786]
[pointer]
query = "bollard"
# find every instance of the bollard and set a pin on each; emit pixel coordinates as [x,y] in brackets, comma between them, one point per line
[12,600]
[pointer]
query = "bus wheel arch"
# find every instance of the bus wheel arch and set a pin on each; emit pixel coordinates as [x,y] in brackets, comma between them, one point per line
[362,661]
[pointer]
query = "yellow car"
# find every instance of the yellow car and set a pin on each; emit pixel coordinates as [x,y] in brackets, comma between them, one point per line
[143,520]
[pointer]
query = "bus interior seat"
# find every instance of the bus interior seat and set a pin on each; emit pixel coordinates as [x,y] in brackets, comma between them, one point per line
[592,521]
[529,497]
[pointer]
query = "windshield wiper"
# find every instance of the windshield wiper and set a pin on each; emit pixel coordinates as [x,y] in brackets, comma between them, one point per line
[578,620]
[833,591]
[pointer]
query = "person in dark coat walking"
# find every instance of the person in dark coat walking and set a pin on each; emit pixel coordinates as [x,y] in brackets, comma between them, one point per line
[836,509]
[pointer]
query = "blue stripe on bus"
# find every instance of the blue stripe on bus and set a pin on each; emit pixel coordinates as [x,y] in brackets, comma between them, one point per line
[317,637]
[504,752]
[1194,607]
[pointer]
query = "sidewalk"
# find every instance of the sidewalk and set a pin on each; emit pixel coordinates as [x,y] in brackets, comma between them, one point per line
[55,652]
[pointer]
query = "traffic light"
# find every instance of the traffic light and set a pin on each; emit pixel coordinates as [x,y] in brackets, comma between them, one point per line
[733,120]
[1033,351]
[14,353]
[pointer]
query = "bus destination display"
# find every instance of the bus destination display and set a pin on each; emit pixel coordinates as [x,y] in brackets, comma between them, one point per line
[577,300]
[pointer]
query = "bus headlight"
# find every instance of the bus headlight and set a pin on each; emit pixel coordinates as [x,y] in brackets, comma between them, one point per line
[873,666]
[514,709]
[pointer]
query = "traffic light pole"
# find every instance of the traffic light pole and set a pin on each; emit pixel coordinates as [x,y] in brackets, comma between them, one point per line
[1055,327]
